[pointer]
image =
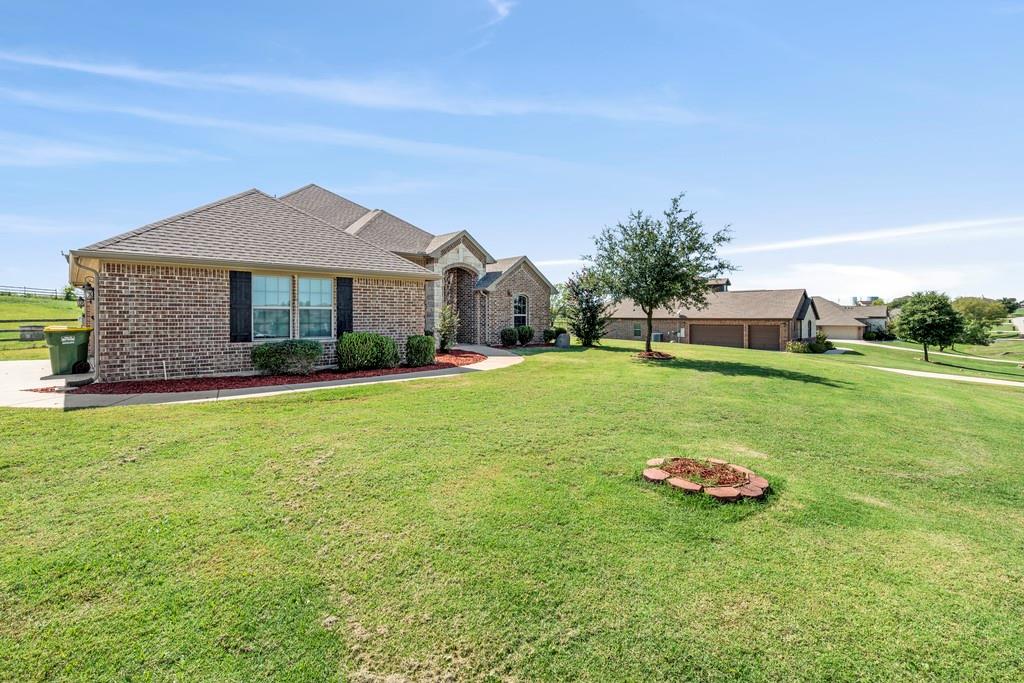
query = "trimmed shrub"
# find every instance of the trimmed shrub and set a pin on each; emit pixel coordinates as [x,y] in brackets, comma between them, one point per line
[419,351]
[366,351]
[548,335]
[288,357]
[797,346]
[509,336]
[525,334]
[560,330]
[817,347]
[820,338]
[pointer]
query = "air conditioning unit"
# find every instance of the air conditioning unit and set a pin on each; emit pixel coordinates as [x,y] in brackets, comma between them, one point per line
[656,336]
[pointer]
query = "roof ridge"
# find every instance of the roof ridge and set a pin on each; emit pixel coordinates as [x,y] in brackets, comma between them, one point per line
[361,222]
[352,235]
[412,225]
[300,189]
[164,221]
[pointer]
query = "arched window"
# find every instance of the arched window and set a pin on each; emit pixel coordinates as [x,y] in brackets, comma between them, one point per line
[519,308]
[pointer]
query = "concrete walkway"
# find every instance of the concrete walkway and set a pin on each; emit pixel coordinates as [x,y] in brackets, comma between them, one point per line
[956,378]
[18,376]
[961,356]
[1019,324]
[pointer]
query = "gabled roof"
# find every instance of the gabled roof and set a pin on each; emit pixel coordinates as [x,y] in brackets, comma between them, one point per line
[441,242]
[831,313]
[501,268]
[391,232]
[325,205]
[253,229]
[872,311]
[718,281]
[758,304]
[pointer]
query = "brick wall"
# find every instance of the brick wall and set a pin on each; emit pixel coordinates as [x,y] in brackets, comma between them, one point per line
[622,328]
[164,318]
[497,312]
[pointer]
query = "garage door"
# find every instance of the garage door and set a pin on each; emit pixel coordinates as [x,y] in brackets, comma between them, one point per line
[842,331]
[717,335]
[764,337]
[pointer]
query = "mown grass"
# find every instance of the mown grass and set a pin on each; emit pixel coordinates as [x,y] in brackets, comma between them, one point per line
[494,526]
[1004,350]
[950,365]
[23,308]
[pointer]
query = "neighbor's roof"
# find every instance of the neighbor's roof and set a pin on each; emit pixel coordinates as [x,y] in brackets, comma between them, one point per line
[718,281]
[628,309]
[759,304]
[833,314]
[325,205]
[872,311]
[253,229]
[498,270]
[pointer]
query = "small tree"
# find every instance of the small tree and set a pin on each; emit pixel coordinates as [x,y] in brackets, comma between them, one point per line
[558,303]
[929,318]
[976,332]
[1010,304]
[660,263]
[447,327]
[586,307]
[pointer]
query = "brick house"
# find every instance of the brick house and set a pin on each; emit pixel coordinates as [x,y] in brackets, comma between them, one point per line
[850,322]
[191,294]
[754,319]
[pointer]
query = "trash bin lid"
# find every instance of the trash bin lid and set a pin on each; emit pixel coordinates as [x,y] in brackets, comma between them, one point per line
[66,328]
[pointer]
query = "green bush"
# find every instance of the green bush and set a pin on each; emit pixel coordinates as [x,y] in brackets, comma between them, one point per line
[817,347]
[797,346]
[289,357]
[509,336]
[822,339]
[419,351]
[560,330]
[548,335]
[525,334]
[366,351]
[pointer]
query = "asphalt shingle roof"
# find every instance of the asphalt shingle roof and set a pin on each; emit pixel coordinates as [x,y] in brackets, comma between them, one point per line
[325,205]
[255,229]
[757,304]
[391,233]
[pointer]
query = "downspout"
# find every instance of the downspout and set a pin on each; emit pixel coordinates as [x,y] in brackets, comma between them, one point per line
[95,309]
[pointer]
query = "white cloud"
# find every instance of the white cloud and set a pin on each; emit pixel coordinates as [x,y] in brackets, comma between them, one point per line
[1016,222]
[30,151]
[393,94]
[325,135]
[502,8]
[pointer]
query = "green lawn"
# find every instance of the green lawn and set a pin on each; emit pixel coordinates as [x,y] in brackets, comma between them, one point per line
[1005,350]
[494,526]
[962,365]
[22,308]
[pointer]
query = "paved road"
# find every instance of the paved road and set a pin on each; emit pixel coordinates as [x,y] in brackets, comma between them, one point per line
[956,378]
[840,342]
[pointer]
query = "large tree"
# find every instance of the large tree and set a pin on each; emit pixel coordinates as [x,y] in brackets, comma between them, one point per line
[586,307]
[980,309]
[928,318]
[1010,304]
[660,263]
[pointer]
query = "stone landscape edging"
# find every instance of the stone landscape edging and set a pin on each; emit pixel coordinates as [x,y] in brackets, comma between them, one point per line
[755,486]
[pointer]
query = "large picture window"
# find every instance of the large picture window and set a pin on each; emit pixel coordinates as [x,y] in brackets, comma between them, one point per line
[519,308]
[316,306]
[271,306]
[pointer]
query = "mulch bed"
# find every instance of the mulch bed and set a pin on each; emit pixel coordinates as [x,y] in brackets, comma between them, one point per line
[707,473]
[452,359]
[655,355]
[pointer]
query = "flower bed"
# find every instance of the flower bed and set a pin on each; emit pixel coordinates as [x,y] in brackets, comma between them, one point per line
[451,359]
[722,481]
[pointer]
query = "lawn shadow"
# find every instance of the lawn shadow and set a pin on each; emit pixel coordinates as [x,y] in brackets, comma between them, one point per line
[736,369]
[1015,375]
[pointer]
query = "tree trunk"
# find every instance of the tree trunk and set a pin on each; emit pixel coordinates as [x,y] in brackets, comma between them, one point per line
[650,328]
[925,353]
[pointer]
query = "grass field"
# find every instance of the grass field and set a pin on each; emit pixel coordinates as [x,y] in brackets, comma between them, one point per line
[22,308]
[962,365]
[1005,350]
[494,526]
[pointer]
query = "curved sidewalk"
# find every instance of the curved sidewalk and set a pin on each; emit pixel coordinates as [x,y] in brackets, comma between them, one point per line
[883,345]
[955,378]
[17,377]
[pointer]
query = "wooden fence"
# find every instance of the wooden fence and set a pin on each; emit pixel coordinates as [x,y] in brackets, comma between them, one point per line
[30,291]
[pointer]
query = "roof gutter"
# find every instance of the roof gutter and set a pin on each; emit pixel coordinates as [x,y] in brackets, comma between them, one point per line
[148,258]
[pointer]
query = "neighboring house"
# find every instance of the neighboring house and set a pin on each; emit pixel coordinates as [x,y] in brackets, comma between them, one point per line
[849,322]
[756,319]
[191,294]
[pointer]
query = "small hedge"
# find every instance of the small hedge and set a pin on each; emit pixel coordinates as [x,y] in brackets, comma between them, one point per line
[560,330]
[548,335]
[366,351]
[525,334]
[797,346]
[289,357]
[509,336]
[419,351]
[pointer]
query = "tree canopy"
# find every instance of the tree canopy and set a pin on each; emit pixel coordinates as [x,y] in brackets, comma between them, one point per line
[928,318]
[980,309]
[659,263]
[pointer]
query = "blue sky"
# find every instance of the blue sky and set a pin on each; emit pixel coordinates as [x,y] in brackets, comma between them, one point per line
[855,148]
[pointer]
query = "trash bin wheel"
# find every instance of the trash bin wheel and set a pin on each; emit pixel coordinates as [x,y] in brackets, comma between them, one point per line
[80,367]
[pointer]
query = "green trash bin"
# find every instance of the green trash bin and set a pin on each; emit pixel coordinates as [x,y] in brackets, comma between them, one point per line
[69,348]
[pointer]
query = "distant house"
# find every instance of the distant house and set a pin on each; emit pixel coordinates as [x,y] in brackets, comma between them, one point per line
[849,322]
[756,319]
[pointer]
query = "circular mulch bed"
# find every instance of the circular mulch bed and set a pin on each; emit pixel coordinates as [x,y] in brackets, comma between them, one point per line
[655,355]
[722,481]
[451,359]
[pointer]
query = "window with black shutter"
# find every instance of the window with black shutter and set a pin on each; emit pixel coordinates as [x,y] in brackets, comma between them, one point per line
[241,306]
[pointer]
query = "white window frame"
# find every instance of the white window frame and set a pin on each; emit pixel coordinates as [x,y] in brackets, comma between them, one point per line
[525,313]
[638,330]
[299,307]
[253,307]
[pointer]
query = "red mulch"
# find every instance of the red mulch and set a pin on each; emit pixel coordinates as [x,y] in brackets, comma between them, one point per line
[655,355]
[452,359]
[704,472]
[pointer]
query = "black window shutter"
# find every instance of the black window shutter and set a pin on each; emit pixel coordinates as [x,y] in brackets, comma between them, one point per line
[241,306]
[344,305]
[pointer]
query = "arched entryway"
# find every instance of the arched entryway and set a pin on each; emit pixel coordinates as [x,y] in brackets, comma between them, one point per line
[460,294]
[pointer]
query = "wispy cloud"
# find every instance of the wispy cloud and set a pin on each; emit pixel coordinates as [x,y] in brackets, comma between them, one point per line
[502,8]
[878,235]
[389,94]
[30,151]
[324,135]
